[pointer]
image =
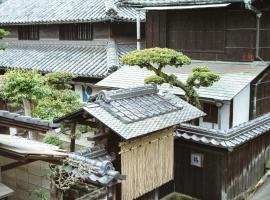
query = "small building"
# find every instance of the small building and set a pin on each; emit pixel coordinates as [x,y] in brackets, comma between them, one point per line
[240,95]
[221,165]
[138,125]
[83,37]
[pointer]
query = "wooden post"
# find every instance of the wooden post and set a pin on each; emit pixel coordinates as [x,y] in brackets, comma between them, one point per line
[28,112]
[73,137]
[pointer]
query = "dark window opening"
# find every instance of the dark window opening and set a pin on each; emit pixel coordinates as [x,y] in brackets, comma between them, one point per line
[212,113]
[75,32]
[28,33]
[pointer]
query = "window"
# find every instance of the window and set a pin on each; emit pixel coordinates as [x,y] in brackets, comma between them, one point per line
[75,32]
[28,33]
[212,113]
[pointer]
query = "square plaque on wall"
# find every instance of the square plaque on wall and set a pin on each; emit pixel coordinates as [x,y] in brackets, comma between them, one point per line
[197,159]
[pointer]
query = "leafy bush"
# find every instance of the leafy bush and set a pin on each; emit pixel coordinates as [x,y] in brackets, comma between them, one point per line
[40,195]
[54,140]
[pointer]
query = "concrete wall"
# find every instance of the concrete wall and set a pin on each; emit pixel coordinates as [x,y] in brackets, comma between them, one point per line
[26,179]
[241,106]
[79,90]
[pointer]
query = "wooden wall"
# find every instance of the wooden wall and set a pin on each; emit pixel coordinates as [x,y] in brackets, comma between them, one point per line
[213,34]
[224,175]
[203,183]
[246,165]
[260,93]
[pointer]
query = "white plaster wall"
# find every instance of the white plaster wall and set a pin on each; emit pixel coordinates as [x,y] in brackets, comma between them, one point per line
[225,116]
[78,89]
[224,113]
[207,124]
[241,103]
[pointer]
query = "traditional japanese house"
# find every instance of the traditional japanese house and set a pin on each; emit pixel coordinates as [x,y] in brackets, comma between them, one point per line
[229,37]
[137,125]
[84,37]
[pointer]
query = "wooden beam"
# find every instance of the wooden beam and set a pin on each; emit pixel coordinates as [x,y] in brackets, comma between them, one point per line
[15,164]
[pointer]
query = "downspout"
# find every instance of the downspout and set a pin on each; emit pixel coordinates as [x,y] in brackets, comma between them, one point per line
[138,22]
[258,13]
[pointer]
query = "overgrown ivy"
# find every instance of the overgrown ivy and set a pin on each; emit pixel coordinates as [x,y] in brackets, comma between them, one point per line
[156,59]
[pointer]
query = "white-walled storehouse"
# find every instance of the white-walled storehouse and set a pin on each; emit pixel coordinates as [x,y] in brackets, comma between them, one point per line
[236,98]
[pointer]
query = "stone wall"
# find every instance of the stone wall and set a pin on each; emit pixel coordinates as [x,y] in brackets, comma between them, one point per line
[24,180]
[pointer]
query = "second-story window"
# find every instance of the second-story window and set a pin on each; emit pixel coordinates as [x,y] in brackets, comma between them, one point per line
[212,113]
[75,32]
[28,32]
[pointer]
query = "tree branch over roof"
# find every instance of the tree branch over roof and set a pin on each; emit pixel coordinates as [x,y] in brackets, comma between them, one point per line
[156,59]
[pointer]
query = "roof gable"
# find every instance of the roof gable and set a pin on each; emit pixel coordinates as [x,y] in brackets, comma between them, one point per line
[63,11]
[240,74]
[136,117]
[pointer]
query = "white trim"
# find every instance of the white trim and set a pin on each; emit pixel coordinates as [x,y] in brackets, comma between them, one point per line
[186,7]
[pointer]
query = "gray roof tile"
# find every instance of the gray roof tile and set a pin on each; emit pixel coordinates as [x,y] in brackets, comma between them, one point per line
[63,11]
[241,74]
[85,59]
[129,112]
[230,138]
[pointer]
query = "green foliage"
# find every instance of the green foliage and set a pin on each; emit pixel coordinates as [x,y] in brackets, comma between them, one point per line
[59,80]
[3,33]
[50,95]
[160,56]
[40,195]
[59,103]
[202,76]
[17,85]
[54,140]
[155,59]
[154,79]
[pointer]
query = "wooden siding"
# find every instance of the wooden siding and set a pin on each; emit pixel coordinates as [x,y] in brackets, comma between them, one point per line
[225,174]
[203,183]
[260,93]
[246,165]
[213,34]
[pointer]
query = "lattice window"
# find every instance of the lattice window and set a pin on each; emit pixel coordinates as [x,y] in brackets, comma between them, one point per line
[28,32]
[75,31]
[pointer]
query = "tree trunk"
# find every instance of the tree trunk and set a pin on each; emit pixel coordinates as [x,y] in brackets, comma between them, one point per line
[73,137]
[55,194]
[28,112]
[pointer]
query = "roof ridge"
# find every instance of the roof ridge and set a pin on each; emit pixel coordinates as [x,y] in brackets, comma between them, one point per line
[112,95]
[112,54]
[110,8]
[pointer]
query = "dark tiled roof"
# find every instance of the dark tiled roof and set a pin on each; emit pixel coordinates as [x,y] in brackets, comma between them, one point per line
[138,111]
[17,120]
[153,3]
[85,59]
[98,161]
[230,138]
[63,11]
[136,104]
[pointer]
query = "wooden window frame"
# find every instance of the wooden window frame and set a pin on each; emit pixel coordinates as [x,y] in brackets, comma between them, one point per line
[212,113]
[30,32]
[81,31]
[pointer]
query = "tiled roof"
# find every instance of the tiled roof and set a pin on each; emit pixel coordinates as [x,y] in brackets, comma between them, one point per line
[138,111]
[63,11]
[152,3]
[29,123]
[85,59]
[230,138]
[98,161]
[240,74]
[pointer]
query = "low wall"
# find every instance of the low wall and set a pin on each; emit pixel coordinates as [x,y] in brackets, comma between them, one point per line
[24,180]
